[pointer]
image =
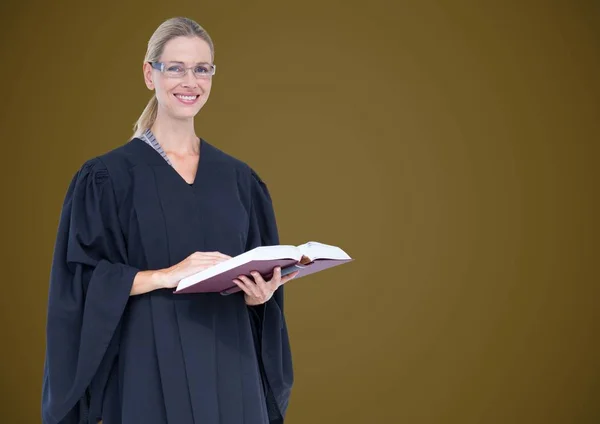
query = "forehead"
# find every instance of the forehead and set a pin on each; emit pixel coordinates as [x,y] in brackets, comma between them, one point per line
[187,50]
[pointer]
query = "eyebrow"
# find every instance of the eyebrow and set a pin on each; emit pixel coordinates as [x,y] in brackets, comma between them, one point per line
[183,63]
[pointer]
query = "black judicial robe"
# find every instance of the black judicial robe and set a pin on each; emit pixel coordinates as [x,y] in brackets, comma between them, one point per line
[160,357]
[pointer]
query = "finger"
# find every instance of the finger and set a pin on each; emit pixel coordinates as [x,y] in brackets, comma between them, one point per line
[207,260]
[251,289]
[283,279]
[242,285]
[258,279]
[205,254]
[277,273]
[265,289]
[216,252]
[204,264]
[276,277]
[216,255]
[251,285]
[289,277]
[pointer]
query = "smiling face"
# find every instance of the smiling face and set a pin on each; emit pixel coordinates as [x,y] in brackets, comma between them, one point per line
[181,98]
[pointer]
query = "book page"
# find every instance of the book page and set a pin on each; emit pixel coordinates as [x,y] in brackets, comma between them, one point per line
[282,251]
[315,250]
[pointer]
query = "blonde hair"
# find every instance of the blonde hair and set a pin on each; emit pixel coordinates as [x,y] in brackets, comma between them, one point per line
[169,29]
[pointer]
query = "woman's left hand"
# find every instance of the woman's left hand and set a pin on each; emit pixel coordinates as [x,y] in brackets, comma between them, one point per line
[260,291]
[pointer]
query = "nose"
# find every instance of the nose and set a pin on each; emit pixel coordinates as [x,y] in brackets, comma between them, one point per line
[189,79]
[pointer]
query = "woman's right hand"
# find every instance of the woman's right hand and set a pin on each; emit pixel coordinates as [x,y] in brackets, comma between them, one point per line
[196,262]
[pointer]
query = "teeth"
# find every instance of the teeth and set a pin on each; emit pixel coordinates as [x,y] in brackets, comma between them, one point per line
[186,97]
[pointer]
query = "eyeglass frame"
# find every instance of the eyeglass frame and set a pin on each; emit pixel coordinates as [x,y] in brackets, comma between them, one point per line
[160,66]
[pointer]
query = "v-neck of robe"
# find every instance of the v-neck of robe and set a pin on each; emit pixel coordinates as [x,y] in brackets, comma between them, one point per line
[163,160]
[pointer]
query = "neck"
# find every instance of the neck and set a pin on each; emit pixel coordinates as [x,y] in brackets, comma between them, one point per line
[176,136]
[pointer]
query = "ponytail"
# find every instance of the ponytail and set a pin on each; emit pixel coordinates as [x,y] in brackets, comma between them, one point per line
[147,118]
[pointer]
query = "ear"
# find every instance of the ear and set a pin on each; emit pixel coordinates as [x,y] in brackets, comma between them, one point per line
[148,80]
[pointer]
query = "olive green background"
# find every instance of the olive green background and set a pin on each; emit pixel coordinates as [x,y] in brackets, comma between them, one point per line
[450,147]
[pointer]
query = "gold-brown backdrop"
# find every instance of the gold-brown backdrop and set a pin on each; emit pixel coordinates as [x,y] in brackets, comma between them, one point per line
[449,146]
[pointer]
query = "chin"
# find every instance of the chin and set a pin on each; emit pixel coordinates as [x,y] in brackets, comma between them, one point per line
[184,117]
[185,114]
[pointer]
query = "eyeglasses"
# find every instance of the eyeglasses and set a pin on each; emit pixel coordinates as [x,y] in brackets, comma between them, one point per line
[177,70]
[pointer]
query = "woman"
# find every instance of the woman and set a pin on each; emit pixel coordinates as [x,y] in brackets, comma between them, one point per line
[121,346]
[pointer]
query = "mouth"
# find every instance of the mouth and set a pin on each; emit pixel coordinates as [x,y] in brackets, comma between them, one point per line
[187,99]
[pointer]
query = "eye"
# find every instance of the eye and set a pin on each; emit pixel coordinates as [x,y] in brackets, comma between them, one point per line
[175,68]
[201,69]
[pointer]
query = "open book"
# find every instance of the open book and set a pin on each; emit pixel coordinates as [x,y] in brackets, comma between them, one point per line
[307,258]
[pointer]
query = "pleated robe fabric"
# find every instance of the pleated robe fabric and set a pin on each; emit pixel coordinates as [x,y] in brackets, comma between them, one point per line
[160,357]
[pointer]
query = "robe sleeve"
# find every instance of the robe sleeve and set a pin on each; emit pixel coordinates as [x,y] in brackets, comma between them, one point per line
[268,319]
[89,288]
